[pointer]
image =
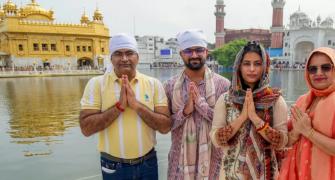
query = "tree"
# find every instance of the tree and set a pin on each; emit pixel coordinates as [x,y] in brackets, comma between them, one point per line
[226,54]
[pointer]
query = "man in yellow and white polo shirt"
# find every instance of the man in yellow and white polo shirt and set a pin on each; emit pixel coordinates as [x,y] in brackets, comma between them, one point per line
[125,108]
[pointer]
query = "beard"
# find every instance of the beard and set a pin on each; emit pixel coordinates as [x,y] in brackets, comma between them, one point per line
[197,63]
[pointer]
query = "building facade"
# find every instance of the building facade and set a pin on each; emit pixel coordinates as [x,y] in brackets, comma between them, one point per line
[304,34]
[269,38]
[157,52]
[29,36]
[260,35]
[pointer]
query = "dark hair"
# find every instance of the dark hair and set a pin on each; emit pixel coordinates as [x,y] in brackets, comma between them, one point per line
[251,46]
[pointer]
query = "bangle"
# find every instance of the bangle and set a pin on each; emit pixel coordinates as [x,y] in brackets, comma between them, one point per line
[118,106]
[311,133]
[265,125]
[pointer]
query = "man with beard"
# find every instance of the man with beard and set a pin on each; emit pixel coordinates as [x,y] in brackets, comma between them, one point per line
[125,108]
[192,95]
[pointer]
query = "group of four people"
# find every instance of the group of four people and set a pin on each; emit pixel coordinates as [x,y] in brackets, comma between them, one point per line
[219,130]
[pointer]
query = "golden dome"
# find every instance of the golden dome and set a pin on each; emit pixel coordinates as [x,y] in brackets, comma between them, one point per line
[97,15]
[9,5]
[97,12]
[34,8]
[84,18]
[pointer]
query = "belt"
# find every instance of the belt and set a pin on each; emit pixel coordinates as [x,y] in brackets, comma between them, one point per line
[134,161]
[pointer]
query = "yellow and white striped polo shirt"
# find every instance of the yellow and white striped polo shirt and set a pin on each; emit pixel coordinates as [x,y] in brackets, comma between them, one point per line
[128,136]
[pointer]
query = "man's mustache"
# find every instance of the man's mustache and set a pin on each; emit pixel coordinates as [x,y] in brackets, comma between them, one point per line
[195,59]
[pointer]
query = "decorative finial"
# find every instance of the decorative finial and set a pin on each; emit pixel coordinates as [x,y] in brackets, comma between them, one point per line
[97,6]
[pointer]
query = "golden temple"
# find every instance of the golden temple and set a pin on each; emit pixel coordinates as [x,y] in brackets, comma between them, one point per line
[29,36]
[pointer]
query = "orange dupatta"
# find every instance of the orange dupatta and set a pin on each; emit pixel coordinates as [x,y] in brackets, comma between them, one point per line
[314,163]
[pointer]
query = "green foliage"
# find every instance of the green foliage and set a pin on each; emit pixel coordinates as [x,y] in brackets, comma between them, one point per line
[226,54]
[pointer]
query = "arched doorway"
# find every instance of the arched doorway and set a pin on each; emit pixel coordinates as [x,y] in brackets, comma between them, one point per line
[302,50]
[85,63]
[46,64]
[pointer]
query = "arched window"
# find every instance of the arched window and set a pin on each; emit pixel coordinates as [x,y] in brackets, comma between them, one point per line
[20,47]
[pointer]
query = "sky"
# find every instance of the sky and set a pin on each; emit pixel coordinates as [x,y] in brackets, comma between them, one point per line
[168,17]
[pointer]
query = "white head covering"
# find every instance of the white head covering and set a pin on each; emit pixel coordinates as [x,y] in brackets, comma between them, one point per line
[123,41]
[190,38]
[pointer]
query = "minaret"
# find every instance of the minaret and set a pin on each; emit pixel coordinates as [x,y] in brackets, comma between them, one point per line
[219,14]
[277,29]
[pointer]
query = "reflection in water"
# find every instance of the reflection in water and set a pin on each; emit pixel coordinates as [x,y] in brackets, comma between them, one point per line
[292,84]
[162,74]
[41,109]
[28,153]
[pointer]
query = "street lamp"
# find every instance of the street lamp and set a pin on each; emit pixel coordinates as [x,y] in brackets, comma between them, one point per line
[34,63]
[69,65]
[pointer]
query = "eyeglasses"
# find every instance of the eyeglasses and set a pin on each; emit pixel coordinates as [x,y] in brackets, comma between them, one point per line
[119,54]
[324,68]
[198,51]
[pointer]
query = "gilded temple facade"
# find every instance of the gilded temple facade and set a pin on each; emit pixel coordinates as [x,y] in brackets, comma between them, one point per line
[29,36]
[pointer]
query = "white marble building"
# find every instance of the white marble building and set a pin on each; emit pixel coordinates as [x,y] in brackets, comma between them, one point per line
[303,35]
[150,47]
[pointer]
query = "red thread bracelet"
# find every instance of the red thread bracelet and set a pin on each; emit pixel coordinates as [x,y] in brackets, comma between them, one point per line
[266,125]
[118,106]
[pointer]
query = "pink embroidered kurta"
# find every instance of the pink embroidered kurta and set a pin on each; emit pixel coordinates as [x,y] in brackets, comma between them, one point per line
[202,111]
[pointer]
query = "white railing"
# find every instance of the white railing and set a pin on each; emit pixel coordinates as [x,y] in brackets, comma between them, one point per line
[48,72]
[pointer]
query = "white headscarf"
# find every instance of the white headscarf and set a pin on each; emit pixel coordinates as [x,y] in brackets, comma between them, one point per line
[123,41]
[190,38]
